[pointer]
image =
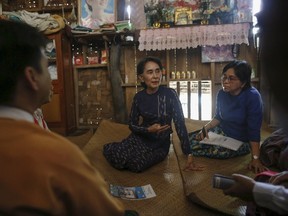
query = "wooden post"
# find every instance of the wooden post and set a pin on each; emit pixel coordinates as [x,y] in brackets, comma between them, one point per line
[120,112]
[212,74]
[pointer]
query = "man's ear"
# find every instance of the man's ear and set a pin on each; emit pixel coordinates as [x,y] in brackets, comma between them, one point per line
[31,77]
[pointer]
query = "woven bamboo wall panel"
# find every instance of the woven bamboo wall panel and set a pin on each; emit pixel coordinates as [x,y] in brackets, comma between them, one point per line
[95,97]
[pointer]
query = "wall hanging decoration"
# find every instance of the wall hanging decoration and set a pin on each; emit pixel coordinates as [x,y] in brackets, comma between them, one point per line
[217,54]
[167,13]
[183,16]
[193,36]
[94,13]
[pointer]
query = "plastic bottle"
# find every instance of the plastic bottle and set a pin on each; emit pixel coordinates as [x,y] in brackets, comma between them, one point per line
[193,74]
[178,75]
[183,75]
[173,75]
[188,75]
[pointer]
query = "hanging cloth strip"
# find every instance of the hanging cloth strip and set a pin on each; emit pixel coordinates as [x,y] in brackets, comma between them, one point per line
[193,36]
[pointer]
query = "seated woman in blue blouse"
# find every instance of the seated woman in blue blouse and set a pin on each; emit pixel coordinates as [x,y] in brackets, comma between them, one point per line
[152,112]
[239,113]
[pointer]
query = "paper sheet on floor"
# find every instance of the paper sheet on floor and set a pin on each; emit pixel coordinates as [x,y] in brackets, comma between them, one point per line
[134,193]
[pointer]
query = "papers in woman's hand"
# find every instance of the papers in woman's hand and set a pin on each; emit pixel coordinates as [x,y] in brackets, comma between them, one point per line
[220,140]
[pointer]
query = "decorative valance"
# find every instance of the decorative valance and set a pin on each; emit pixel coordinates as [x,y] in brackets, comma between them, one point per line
[193,36]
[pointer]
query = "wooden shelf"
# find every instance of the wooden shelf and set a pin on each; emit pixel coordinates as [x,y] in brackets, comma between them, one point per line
[90,66]
[56,8]
[108,36]
[170,80]
[97,35]
[139,85]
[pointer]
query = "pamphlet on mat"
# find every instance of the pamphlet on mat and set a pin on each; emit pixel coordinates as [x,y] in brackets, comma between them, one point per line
[133,193]
[220,140]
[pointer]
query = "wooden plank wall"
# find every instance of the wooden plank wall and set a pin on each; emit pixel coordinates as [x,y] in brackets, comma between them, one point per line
[204,71]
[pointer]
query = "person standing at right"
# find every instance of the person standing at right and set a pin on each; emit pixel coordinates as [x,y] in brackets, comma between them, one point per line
[272,195]
[239,113]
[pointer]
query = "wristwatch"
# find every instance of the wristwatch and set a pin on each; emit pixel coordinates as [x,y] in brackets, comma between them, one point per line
[255,157]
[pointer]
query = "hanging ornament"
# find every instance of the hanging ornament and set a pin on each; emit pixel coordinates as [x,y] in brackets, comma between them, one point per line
[188,73]
[186,60]
[173,75]
[135,68]
[235,50]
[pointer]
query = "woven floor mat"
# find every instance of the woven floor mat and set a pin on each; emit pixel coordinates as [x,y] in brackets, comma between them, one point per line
[81,140]
[198,184]
[165,178]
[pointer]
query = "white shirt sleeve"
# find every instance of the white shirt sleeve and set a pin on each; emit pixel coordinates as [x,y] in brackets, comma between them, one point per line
[274,197]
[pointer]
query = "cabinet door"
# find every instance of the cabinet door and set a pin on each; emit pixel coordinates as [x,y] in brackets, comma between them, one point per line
[60,112]
[52,110]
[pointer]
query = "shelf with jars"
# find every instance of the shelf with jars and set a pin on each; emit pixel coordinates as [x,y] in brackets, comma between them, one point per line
[170,71]
[39,5]
[89,53]
[92,85]
[93,73]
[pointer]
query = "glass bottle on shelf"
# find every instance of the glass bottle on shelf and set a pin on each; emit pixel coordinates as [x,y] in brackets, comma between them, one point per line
[183,75]
[78,55]
[126,78]
[92,54]
[193,74]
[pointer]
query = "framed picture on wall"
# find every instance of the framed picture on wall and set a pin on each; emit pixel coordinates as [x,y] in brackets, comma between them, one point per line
[217,54]
[93,13]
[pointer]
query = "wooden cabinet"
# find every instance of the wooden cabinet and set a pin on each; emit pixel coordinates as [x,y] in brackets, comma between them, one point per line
[98,86]
[60,112]
[93,94]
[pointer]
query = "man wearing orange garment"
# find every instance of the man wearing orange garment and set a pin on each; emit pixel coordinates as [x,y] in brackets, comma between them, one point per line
[42,173]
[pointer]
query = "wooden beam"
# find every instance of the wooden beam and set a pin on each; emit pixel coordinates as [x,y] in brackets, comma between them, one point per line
[120,112]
